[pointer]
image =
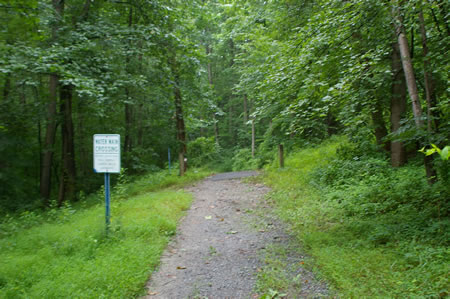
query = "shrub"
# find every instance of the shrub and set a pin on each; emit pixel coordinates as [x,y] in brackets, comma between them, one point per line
[243,160]
[202,151]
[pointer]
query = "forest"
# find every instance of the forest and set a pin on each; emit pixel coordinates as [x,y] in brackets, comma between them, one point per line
[345,101]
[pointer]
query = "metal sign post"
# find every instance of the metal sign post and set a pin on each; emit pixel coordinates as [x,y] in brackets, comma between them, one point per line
[169,158]
[107,160]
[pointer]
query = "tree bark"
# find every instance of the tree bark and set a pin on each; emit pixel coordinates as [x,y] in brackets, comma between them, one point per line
[411,82]
[253,138]
[245,109]
[398,107]
[67,187]
[179,119]
[408,67]
[50,134]
[430,95]
[211,82]
[281,155]
[127,144]
[380,125]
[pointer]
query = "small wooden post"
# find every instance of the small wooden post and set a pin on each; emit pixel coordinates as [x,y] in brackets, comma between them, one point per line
[281,155]
[181,159]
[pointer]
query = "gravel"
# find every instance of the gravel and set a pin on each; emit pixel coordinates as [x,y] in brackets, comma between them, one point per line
[216,252]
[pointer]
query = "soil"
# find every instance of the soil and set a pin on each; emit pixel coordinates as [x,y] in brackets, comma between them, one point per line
[219,247]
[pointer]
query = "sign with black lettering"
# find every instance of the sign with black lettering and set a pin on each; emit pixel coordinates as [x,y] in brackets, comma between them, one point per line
[107,153]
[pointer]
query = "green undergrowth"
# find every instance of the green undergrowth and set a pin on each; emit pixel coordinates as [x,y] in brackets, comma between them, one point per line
[372,231]
[65,253]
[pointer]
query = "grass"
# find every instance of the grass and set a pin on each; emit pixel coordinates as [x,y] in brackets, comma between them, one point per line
[65,253]
[347,249]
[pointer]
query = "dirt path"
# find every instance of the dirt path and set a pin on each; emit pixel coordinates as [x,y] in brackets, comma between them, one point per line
[217,250]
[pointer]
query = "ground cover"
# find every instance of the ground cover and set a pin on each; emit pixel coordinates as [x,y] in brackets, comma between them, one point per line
[378,232]
[65,253]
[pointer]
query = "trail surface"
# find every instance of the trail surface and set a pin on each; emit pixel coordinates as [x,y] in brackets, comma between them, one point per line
[218,248]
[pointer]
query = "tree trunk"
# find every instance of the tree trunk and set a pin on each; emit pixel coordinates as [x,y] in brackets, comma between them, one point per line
[180,127]
[253,138]
[380,125]
[429,86]
[67,187]
[408,68]
[230,122]
[216,128]
[281,155]
[410,81]
[127,144]
[398,107]
[211,88]
[50,133]
[182,164]
[245,109]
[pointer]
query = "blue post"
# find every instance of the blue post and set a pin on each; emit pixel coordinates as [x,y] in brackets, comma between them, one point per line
[107,199]
[169,158]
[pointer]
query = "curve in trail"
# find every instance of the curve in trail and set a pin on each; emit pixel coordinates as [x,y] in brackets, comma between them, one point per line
[215,253]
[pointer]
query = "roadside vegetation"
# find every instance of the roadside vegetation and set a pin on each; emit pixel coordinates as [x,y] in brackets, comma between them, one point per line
[65,252]
[371,230]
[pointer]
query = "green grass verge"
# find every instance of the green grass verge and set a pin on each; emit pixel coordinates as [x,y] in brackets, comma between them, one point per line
[65,253]
[339,244]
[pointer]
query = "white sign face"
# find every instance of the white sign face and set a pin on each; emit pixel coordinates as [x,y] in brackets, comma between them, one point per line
[107,153]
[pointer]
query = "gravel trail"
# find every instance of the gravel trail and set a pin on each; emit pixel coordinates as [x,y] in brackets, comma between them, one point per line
[216,252]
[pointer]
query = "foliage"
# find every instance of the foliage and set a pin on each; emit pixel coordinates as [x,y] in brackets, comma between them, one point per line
[203,151]
[373,231]
[243,160]
[65,252]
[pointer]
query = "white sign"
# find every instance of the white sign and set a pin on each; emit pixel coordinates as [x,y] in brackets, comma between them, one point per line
[107,153]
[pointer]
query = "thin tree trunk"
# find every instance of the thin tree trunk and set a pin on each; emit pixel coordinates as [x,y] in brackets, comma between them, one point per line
[281,155]
[67,185]
[408,67]
[230,121]
[211,87]
[411,82]
[216,128]
[398,107]
[380,125]
[180,126]
[253,138]
[127,145]
[245,109]
[429,86]
[50,134]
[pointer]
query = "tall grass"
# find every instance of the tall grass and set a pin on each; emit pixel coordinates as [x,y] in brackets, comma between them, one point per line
[66,253]
[370,239]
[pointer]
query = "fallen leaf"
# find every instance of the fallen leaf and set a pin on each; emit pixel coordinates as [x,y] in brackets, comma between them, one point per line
[262,231]
[221,219]
[181,267]
[232,232]
[208,217]
[153,293]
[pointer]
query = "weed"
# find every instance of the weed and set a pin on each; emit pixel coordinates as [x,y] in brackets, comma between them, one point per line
[373,231]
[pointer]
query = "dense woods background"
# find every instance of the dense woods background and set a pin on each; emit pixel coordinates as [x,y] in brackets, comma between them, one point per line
[227,82]
[343,103]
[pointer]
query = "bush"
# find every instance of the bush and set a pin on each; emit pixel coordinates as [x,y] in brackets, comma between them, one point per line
[243,160]
[202,151]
